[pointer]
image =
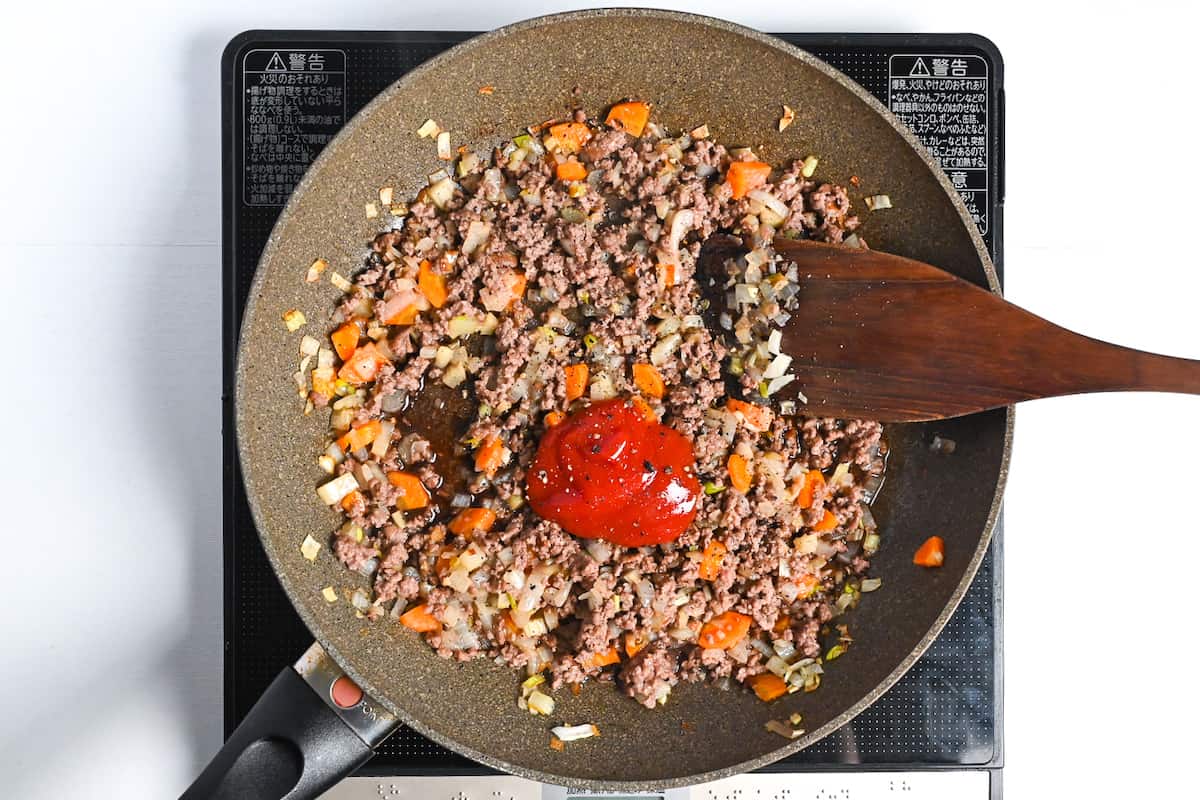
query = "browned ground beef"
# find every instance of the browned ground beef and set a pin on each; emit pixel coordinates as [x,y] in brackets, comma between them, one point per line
[591,253]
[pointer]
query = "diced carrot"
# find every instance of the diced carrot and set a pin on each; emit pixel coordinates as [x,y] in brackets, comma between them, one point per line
[647,411]
[345,339]
[827,523]
[363,365]
[631,116]
[432,285]
[756,418]
[571,135]
[405,316]
[412,494]
[557,744]
[724,631]
[739,473]
[609,656]
[507,619]
[710,563]
[932,553]
[517,283]
[743,176]
[634,642]
[554,418]
[648,380]
[571,170]
[768,686]
[813,482]
[351,500]
[576,376]
[576,689]
[808,584]
[359,436]
[419,619]
[490,456]
[470,520]
[322,381]
[668,273]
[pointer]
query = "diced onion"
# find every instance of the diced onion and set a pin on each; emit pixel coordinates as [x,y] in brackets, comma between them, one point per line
[778,366]
[315,269]
[878,201]
[477,235]
[778,383]
[784,730]
[333,491]
[329,594]
[428,128]
[341,283]
[379,447]
[360,600]
[293,319]
[809,166]
[664,349]
[870,584]
[309,548]
[572,733]
[541,704]
[309,346]
[769,201]
[442,192]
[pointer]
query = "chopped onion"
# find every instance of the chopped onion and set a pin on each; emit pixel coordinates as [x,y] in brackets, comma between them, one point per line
[870,584]
[309,548]
[572,733]
[786,118]
[293,319]
[379,447]
[778,383]
[541,703]
[333,491]
[329,594]
[770,201]
[462,326]
[809,166]
[784,730]
[442,192]
[681,221]
[778,366]
[309,346]
[460,500]
[360,600]
[477,235]
[455,376]
[878,201]
[774,341]
[341,283]
[602,387]
[428,128]
[598,549]
[783,648]
[664,349]
[315,269]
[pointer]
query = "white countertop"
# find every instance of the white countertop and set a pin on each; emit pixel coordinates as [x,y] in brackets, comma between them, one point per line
[109,235]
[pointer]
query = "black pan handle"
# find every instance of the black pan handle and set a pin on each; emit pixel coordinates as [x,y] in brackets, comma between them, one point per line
[311,728]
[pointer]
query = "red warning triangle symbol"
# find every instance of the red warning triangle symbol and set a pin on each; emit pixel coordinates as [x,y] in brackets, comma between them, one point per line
[918,68]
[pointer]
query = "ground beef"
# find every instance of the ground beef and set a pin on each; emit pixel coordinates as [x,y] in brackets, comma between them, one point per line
[589,272]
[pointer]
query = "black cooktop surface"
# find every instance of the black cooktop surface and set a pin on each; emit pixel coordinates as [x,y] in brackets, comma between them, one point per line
[286,93]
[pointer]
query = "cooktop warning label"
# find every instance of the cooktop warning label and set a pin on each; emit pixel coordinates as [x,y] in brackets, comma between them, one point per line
[943,99]
[293,104]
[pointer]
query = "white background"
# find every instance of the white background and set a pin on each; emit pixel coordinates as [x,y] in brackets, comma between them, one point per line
[109,239]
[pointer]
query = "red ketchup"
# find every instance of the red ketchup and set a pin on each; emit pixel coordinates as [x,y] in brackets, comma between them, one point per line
[612,472]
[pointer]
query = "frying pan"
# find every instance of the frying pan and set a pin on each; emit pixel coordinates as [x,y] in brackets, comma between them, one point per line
[695,70]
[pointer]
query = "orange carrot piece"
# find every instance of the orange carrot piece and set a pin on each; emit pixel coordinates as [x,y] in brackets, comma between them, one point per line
[668,273]
[351,500]
[931,554]
[827,523]
[631,117]
[518,287]
[648,380]
[634,642]
[470,520]
[554,418]
[405,316]
[808,584]
[813,481]
[490,456]
[571,135]
[412,494]
[609,656]
[420,620]
[724,631]
[739,473]
[363,365]
[345,339]
[432,285]
[756,418]
[710,563]
[571,170]
[768,686]
[359,436]
[576,376]
[743,176]
[647,412]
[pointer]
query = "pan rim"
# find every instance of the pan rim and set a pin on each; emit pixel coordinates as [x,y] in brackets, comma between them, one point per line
[294,592]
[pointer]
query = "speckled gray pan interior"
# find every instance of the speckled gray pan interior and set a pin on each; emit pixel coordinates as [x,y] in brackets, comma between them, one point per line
[694,70]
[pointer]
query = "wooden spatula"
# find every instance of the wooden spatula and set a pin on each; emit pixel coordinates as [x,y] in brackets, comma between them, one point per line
[878,336]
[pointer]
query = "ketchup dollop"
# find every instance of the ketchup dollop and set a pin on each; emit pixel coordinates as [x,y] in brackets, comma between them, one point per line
[611,471]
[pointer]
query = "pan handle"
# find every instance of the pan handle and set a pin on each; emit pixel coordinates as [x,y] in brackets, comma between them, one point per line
[311,728]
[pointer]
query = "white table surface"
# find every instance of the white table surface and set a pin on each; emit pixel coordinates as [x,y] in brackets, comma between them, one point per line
[109,240]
